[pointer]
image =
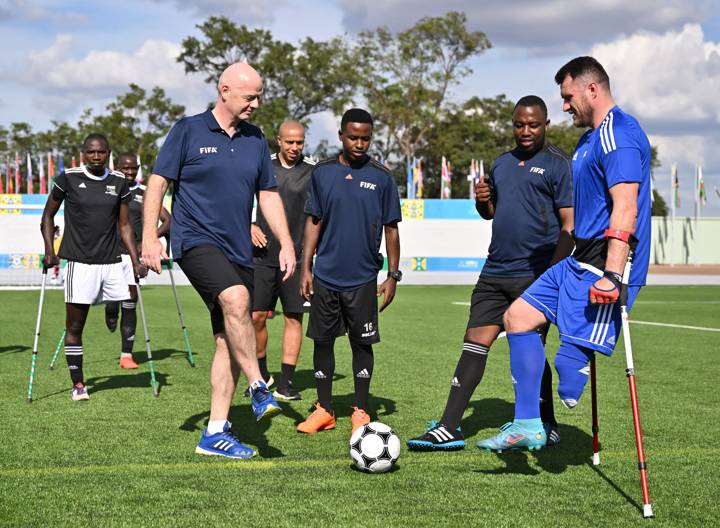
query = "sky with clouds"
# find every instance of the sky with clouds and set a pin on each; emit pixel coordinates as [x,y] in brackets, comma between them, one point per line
[60,57]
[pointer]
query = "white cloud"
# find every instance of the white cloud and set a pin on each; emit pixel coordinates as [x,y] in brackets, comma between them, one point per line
[671,80]
[243,12]
[33,11]
[68,84]
[554,24]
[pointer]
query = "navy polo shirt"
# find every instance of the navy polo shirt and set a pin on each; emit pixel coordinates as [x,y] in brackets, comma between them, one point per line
[216,177]
[353,204]
[526,193]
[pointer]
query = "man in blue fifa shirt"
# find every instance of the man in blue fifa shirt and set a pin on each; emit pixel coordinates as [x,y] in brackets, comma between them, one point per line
[352,201]
[218,162]
[528,196]
[611,191]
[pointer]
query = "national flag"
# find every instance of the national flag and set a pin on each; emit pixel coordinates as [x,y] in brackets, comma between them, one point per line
[419,179]
[139,177]
[30,189]
[410,194]
[675,185]
[41,175]
[17,172]
[444,179]
[702,195]
[10,187]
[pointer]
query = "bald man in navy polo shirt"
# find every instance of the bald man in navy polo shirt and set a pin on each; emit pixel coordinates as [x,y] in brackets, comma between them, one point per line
[218,162]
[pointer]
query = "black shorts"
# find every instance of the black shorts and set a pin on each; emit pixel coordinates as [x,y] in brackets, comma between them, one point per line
[210,272]
[269,286]
[336,313]
[492,296]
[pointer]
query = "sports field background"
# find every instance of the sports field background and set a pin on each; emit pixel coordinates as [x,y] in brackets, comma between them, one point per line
[126,458]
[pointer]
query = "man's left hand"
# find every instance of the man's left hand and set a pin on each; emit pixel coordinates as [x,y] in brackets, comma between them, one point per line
[140,270]
[387,290]
[287,261]
[604,291]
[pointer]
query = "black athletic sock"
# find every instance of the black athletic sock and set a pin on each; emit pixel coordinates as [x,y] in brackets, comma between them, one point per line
[547,411]
[128,326]
[112,309]
[262,363]
[286,376]
[324,365]
[74,358]
[468,373]
[362,365]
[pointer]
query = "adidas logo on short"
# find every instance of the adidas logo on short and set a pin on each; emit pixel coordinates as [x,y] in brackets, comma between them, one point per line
[611,340]
[455,382]
[363,374]
[585,370]
[320,375]
[82,185]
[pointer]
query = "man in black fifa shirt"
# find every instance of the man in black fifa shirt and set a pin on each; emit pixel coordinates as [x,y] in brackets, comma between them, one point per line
[529,198]
[352,201]
[292,172]
[96,217]
[128,165]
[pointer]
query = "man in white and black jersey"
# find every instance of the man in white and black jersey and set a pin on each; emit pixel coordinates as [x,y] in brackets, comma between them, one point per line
[96,212]
[292,171]
[128,164]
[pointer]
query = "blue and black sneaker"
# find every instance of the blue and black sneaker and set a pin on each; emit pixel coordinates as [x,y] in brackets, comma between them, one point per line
[262,401]
[223,444]
[437,437]
[553,435]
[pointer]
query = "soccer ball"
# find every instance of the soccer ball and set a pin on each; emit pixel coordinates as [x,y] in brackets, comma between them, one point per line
[374,447]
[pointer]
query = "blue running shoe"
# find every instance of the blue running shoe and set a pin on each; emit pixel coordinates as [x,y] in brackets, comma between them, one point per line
[223,444]
[513,436]
[437,437]
[262,401]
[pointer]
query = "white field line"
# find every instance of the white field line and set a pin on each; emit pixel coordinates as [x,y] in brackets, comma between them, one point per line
[650,323]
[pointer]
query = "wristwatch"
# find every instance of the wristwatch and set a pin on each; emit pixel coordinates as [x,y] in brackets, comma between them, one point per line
[397,275]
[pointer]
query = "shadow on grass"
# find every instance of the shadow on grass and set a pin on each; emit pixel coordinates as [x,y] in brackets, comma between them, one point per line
[254,432]
[162,354]
[137,380]
[12,349]
[249,430]
[614,486]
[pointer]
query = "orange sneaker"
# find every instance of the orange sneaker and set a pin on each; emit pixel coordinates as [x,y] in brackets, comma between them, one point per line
[319,420]
[359,418]
[128,362]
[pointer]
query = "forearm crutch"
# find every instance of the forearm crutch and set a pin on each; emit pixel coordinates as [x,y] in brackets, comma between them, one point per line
[37,334]
[190,358]
[153,382]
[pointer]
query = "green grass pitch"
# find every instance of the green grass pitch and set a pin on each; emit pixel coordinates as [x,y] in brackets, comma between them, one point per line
[126,458]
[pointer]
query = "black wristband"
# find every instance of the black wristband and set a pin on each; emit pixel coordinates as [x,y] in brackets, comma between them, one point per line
[615,278]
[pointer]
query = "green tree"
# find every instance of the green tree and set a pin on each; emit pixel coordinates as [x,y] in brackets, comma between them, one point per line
[135,121]
[299,80]
[406,78]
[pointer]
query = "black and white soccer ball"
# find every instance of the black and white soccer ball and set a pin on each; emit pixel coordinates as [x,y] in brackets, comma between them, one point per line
[374,447]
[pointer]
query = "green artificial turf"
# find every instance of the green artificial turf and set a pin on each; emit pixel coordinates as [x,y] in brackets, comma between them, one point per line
[126,458]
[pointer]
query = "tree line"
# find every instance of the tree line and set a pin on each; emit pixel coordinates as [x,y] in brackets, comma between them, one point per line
[405,79]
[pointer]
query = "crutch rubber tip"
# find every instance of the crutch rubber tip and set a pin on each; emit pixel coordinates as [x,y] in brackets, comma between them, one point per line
[647,511]
[596,459]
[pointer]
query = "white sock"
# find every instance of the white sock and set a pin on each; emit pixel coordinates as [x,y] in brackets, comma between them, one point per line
[216,426]
[125,354]
[256,384]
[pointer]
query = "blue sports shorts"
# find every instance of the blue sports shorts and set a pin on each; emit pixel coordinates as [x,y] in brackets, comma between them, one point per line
[562,294]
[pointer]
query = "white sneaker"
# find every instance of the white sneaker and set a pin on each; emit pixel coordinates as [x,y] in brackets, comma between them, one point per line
[79,392]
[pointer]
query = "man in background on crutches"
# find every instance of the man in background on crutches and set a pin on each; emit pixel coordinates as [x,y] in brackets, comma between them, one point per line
[611,191]
[128,165]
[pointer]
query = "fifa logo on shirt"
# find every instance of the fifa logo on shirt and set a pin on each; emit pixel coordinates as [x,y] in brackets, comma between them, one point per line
[366,185]
[110,189]
[537,170]
[208,150]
